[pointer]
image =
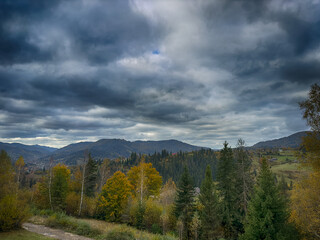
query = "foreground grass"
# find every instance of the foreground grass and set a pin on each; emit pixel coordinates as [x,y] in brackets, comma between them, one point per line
[22,235]
[96,229]
[107,227]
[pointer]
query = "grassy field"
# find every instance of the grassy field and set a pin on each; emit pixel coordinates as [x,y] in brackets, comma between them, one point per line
[22,235]
[283,163]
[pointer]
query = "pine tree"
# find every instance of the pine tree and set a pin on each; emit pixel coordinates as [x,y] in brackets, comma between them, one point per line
[226,177]
[267,213]
[90,177]
[209,207]
[184,203]
[244,183]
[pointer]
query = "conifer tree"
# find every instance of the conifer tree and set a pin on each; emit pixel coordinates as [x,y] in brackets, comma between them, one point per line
[209,207]
[90,177]
[184,203]
[244,183]
[267,213]
[226,177]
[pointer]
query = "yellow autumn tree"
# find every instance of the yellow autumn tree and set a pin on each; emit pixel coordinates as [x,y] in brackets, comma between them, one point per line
[145,179]
[305,196]
[114,196]
[305,207]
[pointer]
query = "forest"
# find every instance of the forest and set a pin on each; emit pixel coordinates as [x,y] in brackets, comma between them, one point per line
[202,194]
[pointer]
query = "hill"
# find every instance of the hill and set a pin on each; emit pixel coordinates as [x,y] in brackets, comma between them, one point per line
[292,141]
[30,153]
[114,148]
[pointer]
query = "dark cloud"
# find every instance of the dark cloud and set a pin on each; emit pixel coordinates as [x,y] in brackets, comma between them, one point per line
[71,70]
[300,71]
[15,39]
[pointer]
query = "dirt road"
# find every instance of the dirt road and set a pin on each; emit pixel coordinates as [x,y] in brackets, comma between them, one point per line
[53,233]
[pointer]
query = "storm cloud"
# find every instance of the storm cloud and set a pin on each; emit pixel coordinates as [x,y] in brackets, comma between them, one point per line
[199,71]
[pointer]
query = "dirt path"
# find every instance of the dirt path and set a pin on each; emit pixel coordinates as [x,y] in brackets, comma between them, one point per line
[54,233]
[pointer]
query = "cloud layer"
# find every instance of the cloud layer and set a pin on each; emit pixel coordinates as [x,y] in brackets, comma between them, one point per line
[199,71]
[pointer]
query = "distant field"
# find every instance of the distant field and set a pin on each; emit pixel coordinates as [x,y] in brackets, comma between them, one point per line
[283,163]
[22,235]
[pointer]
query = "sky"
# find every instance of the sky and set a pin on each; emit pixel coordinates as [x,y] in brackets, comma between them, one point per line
[199,71]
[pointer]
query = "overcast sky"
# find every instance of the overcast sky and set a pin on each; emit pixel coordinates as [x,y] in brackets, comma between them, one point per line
[198,71]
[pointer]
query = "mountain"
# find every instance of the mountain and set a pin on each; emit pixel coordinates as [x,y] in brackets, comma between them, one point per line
[30,153]
[292,141]
[114,148]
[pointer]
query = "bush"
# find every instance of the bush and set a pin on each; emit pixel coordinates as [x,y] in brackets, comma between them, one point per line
[120,235]
[156,229]
[152,216]
[61,220]
[12,213]
[73,204]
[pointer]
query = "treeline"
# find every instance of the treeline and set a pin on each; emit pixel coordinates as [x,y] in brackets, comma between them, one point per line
[169,164]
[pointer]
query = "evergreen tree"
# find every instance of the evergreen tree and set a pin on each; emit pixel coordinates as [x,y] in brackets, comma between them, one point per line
[244,184]
[209,207]
[184,203]
[267,213]
[226,177]
[90,177]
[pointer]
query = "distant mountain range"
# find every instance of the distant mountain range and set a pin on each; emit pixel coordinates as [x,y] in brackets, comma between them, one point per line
[104,148]
[29,152]
[114,148]
[292,141]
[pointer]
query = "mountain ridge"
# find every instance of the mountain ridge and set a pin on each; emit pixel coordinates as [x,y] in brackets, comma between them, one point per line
[115,148]
[291,141]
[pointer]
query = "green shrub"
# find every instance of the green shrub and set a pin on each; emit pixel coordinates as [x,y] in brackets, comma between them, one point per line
[156,229]
[120,235]
[12,213]
[61,220]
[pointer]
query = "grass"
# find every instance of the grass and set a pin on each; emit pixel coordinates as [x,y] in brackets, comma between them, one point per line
[22,235]
[286,164]
[96,229]
[107,227]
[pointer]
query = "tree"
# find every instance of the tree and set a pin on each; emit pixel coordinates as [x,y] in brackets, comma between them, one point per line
[244,181]
[90,177]
[19,165]
[104,173]
[311,108]
[6,174]
[13,211]
[305,199]
[60,185]
[226,177]
[185,204]
[267,216]
[209,207]
[168,193]
[146,180]
[305,205]
[114,196]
